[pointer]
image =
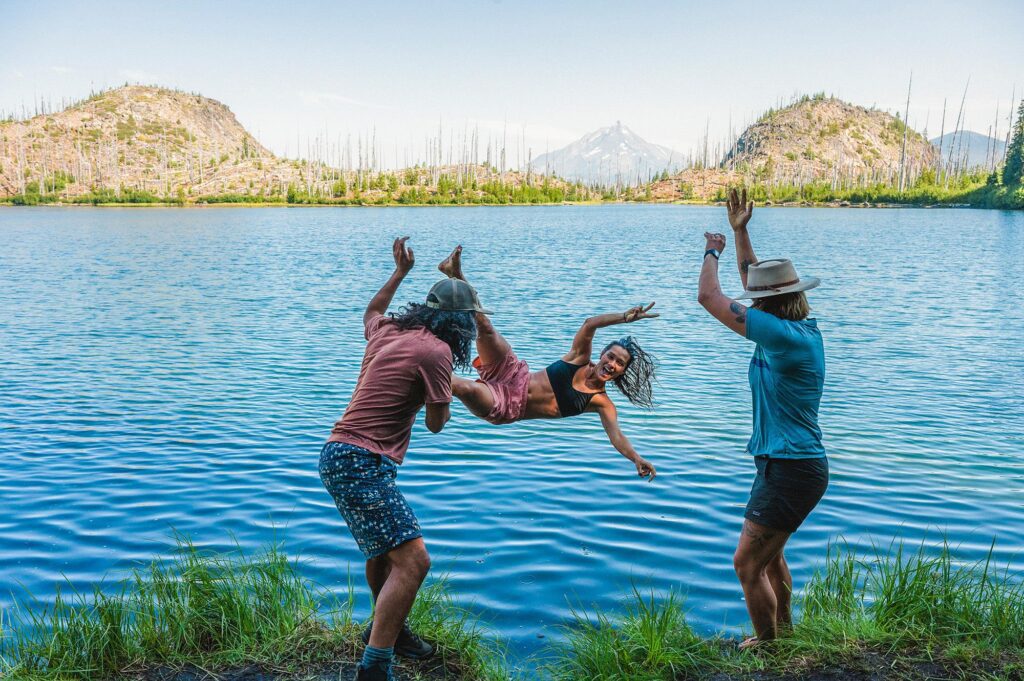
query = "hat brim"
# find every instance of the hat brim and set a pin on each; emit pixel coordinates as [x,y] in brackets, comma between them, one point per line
[804,284]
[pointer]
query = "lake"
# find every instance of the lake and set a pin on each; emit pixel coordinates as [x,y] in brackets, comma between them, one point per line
[179,369]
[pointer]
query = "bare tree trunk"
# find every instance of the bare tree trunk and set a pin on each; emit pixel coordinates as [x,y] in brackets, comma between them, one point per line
[906,126]
[959,117]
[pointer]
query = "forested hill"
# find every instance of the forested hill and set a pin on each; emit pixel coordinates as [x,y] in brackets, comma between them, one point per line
[816,139]
[143,138]
[142,144]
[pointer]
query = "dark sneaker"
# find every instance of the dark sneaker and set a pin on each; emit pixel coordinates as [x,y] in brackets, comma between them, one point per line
[372,674]
[408,644]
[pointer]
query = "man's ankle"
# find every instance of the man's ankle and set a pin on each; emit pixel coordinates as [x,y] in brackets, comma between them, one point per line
[377,657]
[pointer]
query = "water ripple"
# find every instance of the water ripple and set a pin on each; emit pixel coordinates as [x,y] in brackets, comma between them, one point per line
[179,370]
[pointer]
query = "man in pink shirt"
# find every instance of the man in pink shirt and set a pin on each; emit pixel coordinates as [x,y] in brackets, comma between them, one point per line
[407,365]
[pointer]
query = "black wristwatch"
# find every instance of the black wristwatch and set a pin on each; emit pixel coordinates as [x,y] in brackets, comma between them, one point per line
[712,251]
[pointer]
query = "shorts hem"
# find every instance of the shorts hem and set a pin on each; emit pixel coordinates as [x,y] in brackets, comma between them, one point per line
[771,524]
[393,544]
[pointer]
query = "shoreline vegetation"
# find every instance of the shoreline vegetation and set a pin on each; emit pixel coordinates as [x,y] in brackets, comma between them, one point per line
[978,190]
[979,196]
[888,613]
[151,146]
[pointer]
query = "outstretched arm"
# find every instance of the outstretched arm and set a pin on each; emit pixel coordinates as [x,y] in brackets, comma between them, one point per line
[740,212]
[581,349]
[610,420]
[404,261]
[709,294]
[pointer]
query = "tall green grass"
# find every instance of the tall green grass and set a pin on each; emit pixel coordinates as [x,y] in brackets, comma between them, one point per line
[217,611]
[461,644]
[915,605]
[213,611]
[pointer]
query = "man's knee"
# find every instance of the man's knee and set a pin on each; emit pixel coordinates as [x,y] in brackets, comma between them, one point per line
[421,562]
[746,567]
[412,559]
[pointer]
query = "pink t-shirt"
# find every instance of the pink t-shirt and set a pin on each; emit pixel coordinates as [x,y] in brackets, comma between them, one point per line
[402,371]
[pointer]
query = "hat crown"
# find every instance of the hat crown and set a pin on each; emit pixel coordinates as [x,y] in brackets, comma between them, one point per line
[770,274]
[453,295]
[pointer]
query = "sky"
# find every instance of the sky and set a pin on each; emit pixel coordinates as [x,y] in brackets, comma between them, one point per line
[541,73]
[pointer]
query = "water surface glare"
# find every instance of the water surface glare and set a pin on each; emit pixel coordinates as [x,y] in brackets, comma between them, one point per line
[181,368]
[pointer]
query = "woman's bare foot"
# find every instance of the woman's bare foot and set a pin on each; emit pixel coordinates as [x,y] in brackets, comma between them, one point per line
[452,265]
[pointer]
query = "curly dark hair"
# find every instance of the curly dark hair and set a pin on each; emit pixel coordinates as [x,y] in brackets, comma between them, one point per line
[456,329]
[637,383]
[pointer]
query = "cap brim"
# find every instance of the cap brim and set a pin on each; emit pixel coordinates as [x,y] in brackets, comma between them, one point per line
[805,284]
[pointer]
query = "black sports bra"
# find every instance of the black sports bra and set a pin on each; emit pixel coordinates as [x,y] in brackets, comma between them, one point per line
[571,402]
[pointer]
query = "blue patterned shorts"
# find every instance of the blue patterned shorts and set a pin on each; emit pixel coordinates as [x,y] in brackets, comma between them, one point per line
[364,490]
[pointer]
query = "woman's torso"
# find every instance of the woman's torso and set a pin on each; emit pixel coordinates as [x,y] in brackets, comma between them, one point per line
[559,385]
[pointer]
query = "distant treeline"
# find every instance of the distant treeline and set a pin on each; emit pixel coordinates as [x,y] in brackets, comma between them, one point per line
[382,190]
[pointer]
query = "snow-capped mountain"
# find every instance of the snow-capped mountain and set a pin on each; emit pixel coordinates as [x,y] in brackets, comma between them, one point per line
[610,155]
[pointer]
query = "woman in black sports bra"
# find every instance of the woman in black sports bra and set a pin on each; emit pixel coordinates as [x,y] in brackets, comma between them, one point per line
[508,391]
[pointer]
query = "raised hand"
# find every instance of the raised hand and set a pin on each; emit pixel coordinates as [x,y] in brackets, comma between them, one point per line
[715,241]
[645,469]
[404,259]
[739,209]
[638,312]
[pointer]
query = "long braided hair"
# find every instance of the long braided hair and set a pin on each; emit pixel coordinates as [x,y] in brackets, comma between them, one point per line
[456,328]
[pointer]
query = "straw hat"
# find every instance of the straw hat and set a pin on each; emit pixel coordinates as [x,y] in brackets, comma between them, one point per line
[775,277]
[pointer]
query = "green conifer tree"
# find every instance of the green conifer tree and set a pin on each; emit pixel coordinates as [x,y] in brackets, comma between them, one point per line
[1013,171]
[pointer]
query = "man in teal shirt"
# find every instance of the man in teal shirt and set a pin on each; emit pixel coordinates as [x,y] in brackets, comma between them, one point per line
[786,374]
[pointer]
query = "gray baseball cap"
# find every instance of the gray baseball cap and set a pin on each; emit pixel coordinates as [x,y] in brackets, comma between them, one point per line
[454,295]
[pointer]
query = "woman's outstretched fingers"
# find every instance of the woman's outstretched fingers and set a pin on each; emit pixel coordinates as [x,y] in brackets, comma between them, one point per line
[645,469]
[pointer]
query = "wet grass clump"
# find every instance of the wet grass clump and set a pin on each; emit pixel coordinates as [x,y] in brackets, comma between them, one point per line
[210,612]
[885,614]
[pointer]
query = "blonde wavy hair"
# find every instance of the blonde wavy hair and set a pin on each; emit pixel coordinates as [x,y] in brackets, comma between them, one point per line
[791,306]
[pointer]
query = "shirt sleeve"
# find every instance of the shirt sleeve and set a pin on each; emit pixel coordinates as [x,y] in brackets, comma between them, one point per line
[436,372]
[373,325]
[768,330]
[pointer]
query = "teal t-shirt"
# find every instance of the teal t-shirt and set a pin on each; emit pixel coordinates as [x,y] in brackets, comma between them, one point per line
[787,373]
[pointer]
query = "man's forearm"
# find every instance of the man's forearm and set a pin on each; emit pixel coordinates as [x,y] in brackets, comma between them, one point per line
[744,253]
[708,285]
[382,299]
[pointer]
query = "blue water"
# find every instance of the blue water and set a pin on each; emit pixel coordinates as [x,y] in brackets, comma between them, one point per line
[180,369]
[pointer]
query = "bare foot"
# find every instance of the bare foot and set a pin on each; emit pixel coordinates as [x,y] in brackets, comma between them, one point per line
[452,265]
[749,643]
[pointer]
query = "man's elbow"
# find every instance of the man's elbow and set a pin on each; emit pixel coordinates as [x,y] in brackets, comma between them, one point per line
[437,418]
[705,298]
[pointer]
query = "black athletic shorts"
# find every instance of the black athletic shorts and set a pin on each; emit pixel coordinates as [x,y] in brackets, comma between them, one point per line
[785,491]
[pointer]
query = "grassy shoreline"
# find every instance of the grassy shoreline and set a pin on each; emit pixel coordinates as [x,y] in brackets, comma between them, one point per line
[250,616]
[890,613]
[784,204]
[886,614]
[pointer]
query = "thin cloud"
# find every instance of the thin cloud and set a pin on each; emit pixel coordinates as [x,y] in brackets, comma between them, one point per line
[62,69]
[320,98]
